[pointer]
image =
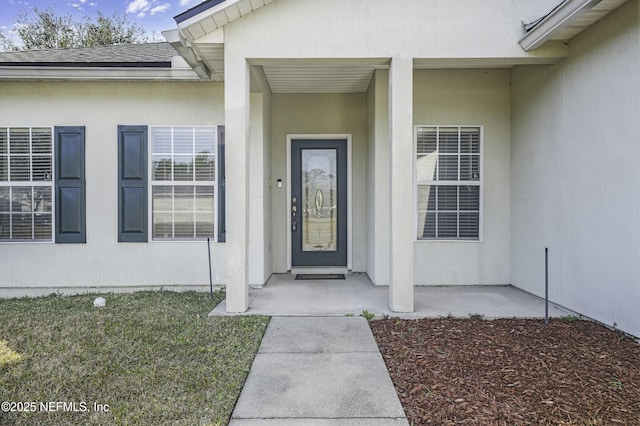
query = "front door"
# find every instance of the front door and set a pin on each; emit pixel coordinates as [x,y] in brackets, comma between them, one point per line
[318,205]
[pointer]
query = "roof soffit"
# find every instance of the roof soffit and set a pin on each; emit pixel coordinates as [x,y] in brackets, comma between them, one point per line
[567,20]
[210,16]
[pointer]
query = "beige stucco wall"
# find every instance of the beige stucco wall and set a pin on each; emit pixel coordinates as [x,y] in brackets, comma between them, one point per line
[434,29]
[378,170]
[318,114]
[260,235]
[101,107]
[575,174]
[465,97]
[470,97]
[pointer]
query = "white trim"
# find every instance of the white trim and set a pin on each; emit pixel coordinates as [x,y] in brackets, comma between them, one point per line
[479,183]
[207,13]
[70,73]
[242,8]
[313,136]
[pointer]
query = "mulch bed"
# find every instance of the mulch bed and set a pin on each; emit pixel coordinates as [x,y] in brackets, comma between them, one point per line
[511,371]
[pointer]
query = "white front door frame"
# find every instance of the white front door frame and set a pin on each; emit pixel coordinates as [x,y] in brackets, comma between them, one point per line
[290,137]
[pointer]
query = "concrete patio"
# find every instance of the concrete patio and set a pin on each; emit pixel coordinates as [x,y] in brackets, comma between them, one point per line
[282,295]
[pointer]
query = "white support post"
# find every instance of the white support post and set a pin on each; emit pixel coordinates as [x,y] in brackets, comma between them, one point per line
[237,108]
[402,182]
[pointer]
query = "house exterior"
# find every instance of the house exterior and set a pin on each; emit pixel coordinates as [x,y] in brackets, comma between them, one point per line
[422,142]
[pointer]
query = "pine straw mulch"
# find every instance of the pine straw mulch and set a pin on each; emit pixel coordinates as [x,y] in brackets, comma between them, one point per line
[451,371]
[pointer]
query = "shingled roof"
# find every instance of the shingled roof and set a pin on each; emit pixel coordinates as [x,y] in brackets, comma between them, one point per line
[146,55]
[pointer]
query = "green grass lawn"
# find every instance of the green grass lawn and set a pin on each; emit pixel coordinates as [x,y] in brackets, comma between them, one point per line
[153,357]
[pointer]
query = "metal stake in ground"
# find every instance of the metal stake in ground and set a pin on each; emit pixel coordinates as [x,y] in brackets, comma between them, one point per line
[546,286]
[209,258]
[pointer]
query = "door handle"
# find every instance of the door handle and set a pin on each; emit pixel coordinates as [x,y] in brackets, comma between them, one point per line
[294,226]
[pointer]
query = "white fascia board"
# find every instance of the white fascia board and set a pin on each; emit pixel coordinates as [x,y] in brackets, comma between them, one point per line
[68,73]
[558,19]
[207,13]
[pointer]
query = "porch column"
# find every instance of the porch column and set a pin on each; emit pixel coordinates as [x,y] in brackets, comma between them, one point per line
[237,108]
[401,205]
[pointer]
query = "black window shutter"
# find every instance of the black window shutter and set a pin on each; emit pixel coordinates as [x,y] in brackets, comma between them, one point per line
[222,226]
[132,184]
[70,185]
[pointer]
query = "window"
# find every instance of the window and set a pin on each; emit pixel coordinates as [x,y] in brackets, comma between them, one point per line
[26,183]
[183,179]
[448,182]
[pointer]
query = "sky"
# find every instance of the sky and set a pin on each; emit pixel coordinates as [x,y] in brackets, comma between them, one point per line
[152,15]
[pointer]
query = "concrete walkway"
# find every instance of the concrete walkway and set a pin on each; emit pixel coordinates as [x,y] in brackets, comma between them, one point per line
[318,371]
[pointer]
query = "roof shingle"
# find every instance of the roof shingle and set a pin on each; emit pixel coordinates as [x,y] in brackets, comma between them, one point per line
[152,55]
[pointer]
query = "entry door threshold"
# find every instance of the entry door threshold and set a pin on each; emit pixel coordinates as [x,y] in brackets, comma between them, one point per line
[319,270]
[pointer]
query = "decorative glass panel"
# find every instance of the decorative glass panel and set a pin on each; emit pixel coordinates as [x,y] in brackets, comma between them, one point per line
[319,200]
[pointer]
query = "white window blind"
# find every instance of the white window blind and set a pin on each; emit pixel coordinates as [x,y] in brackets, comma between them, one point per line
[183,174]
[26,176]
[448,182]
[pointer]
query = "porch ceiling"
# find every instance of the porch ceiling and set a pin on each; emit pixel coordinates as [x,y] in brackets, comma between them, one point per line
[318,79]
